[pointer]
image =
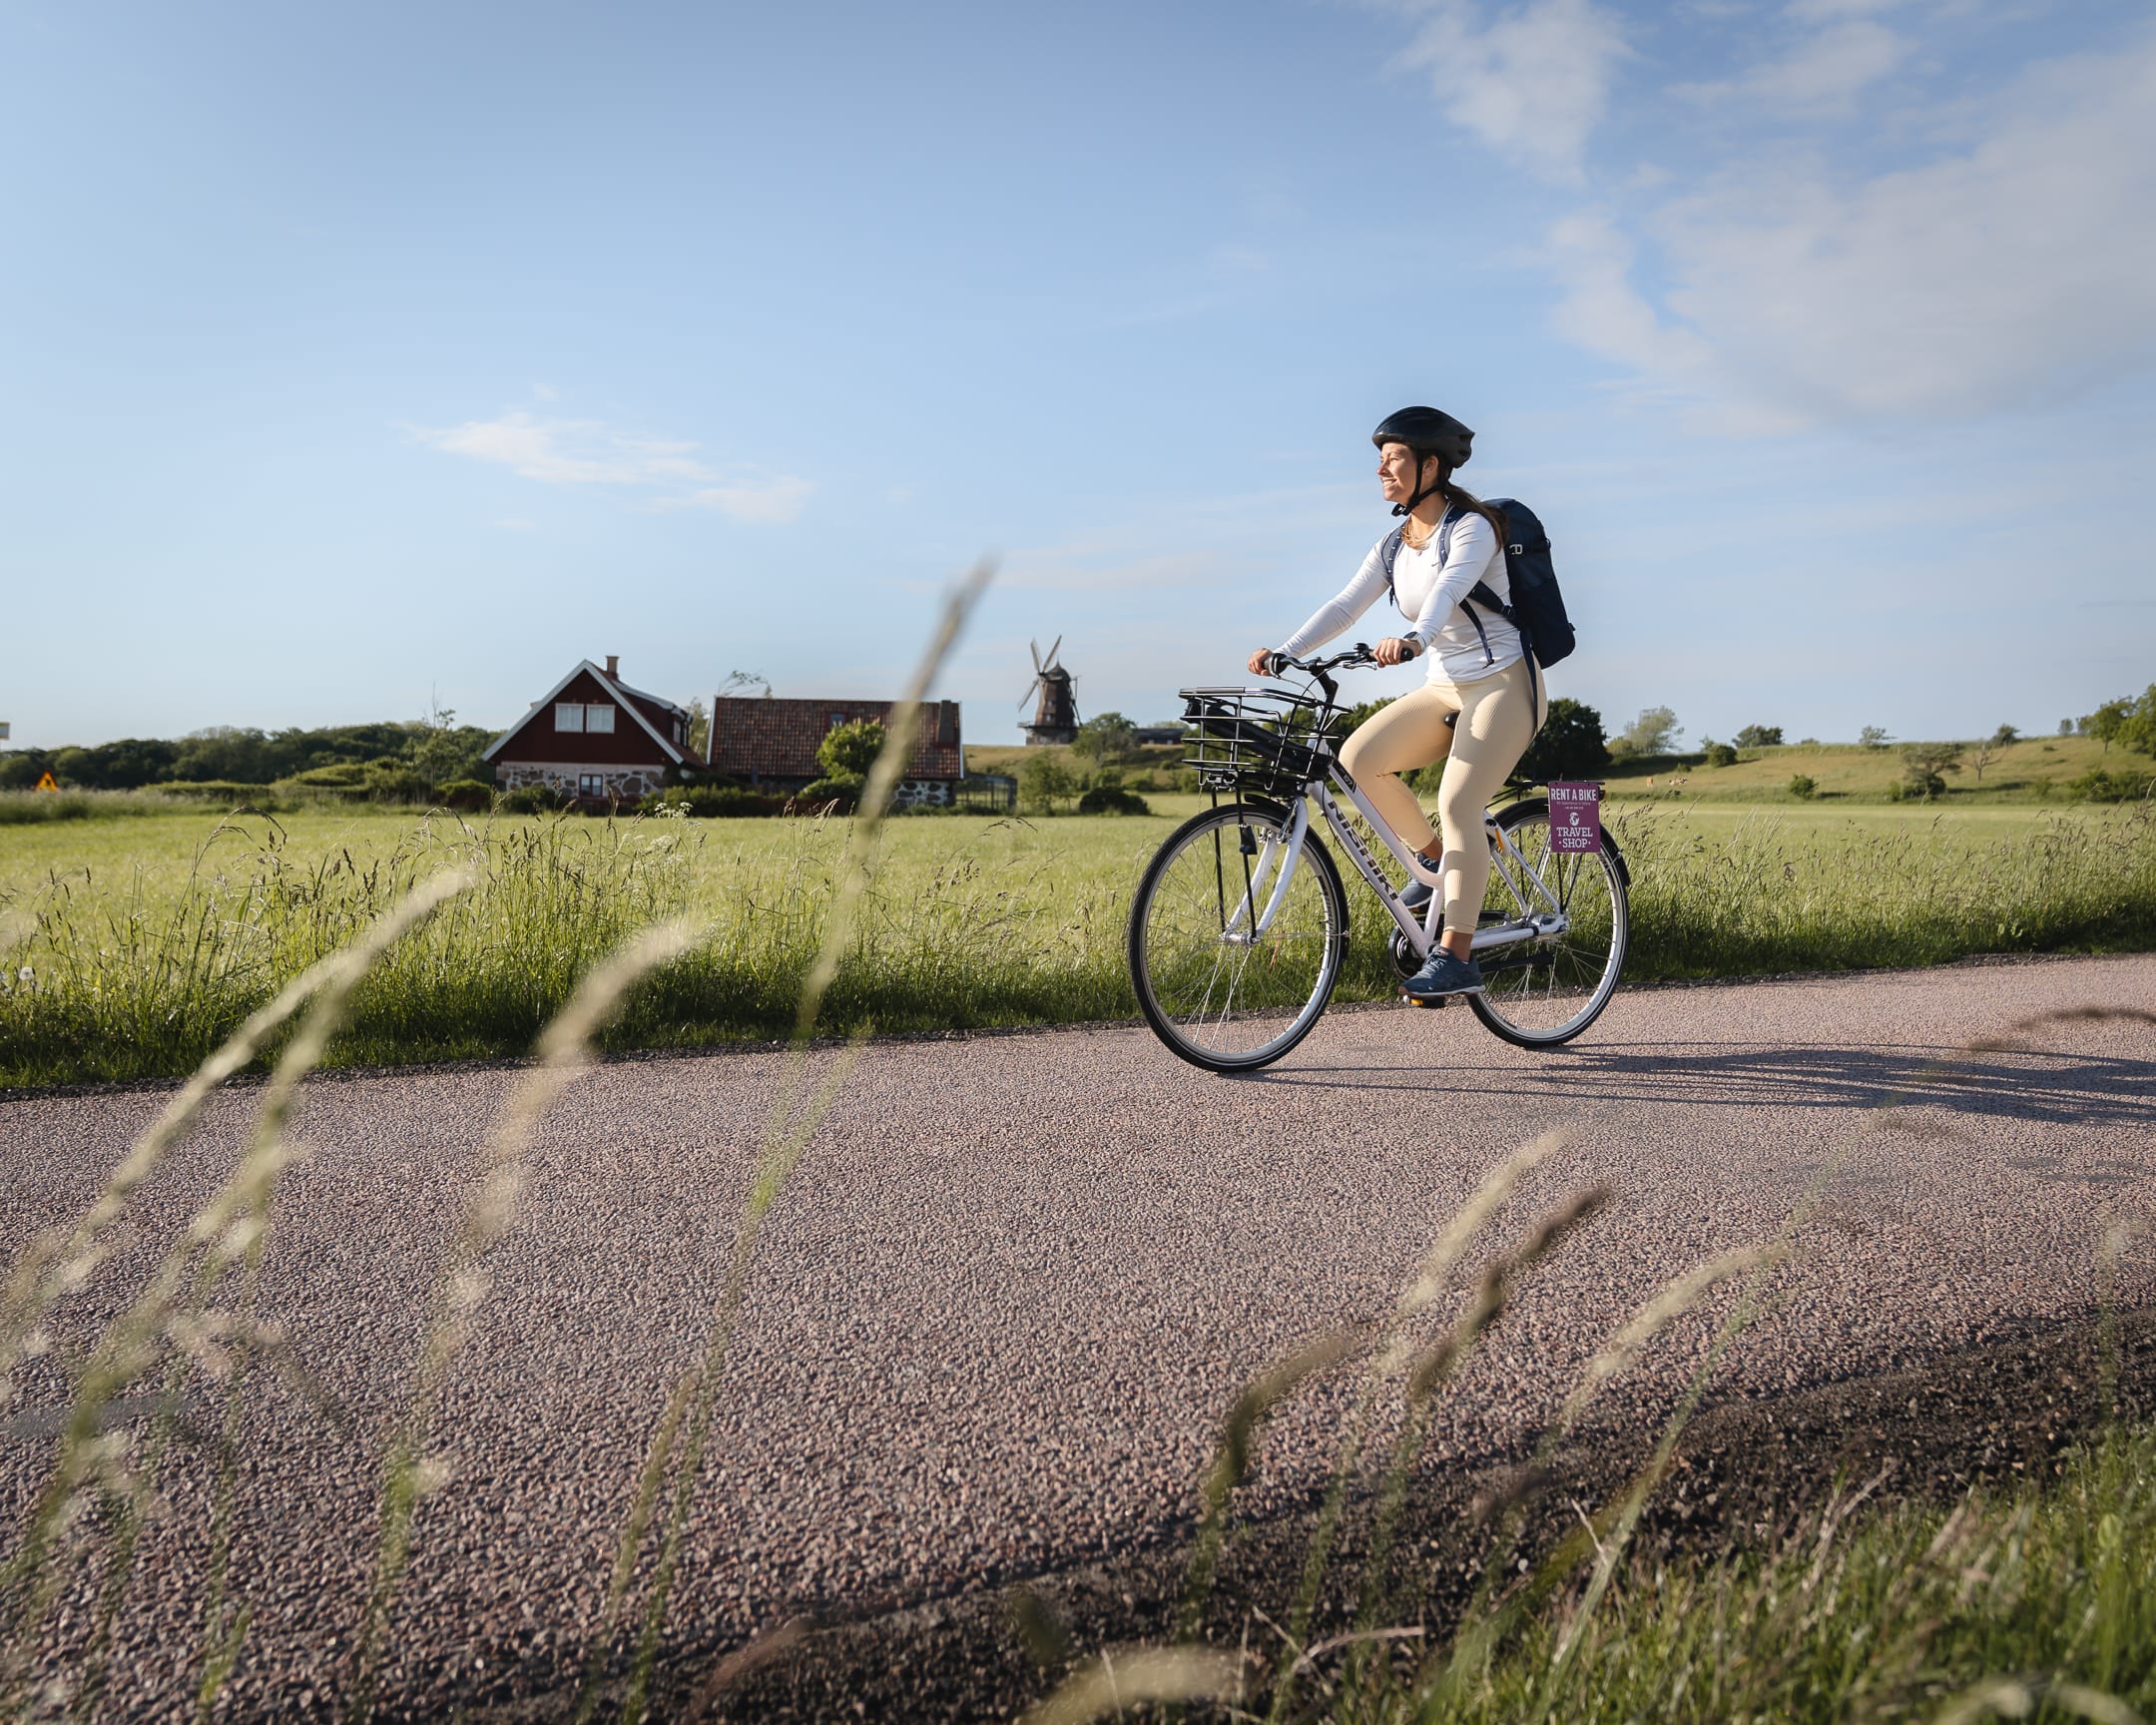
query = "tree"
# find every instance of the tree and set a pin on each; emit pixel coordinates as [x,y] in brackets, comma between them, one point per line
[1105,738]
[850,750]
[443,752]
[1045,783]
[1923,766]
[1654,731]
[1718,753]
[699,729]
[1353,719]
[2138,733]
[1569,746]
[2066,726]
[2107,720]
[2004,735]
[1759,737]
[1874,737]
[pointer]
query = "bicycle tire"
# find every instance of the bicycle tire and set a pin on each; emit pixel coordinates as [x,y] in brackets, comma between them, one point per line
[1545,992]
[1217,1002]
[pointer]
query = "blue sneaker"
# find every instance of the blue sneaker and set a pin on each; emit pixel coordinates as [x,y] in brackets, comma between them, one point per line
[1441,975]
[1415,894]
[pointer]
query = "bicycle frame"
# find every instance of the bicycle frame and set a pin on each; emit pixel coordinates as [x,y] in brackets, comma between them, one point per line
[1327,789]
[1283,853]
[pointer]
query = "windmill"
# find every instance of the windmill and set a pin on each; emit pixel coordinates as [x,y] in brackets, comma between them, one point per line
[1055,717]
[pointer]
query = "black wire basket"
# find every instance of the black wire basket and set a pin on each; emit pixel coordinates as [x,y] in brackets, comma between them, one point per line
[1264,742]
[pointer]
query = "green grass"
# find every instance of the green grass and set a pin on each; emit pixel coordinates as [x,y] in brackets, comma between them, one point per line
[147,940]
[1899,1613]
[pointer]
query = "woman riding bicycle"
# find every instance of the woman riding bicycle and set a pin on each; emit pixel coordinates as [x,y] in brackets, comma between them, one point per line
[1478,709]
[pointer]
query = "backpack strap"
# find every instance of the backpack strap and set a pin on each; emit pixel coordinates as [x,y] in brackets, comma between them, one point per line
[1480,593]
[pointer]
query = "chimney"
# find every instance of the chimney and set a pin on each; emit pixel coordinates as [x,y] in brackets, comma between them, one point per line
[613,664]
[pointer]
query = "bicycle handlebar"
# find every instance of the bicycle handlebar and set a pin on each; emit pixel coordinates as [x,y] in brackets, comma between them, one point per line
[1358,654]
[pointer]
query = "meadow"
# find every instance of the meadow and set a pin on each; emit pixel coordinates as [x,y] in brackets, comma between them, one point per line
[133,946]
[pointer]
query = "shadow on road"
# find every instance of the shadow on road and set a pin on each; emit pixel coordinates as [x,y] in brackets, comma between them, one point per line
[2033,1087]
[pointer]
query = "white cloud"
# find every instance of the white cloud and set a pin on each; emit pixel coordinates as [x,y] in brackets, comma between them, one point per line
[581,452]
[1601,310]
[2001,274]
[1531,83]
[1820,11]
[779,500]
[2009,270]
[1821,74]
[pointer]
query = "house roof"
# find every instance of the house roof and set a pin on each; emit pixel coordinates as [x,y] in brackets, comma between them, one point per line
[764,735]
[621,691]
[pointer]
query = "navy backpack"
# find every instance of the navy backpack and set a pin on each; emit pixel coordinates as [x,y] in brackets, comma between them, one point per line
[1537,610]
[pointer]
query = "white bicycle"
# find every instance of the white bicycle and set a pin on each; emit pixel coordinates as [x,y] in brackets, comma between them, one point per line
[1239,925]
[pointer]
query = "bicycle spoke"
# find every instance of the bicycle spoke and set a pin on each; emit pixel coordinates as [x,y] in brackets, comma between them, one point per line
[1549,990]
[1218,992]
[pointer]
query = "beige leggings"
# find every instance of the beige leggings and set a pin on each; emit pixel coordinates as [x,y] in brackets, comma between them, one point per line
[1498,717]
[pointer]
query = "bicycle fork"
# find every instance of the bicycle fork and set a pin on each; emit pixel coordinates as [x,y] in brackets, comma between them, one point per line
[1280,853]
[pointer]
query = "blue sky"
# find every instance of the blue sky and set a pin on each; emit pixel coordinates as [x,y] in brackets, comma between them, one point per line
[355,358]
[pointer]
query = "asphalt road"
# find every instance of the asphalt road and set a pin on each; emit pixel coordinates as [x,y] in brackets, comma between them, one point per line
[995,1318]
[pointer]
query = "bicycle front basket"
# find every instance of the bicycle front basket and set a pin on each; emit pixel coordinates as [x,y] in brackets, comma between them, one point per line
[1267,742]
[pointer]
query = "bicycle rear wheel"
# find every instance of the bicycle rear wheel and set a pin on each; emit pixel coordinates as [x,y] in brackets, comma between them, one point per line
[1214,995]
[1543,992]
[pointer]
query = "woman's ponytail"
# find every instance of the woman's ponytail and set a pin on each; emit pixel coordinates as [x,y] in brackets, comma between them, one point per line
[1459,498]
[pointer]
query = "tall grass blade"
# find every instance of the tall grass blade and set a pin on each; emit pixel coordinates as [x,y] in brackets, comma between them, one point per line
[792,1123]
[1145,1676]
[220,1232]
[565,1052]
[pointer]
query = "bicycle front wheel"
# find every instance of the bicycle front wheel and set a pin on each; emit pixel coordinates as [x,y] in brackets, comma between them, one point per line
[1543,992]
[1220,994]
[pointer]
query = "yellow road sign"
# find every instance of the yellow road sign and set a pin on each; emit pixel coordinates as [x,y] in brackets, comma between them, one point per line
[48,783]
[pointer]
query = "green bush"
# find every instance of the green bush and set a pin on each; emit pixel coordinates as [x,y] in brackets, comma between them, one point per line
[1045,785]
[2097,785]
[465,794]
[1804,785]
[531,800]
[1720,754]
[216,791]
[848,751]
[728,801]
[834,795]
[1112,800]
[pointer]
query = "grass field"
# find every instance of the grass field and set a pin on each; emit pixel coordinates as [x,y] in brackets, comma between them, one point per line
[132,947]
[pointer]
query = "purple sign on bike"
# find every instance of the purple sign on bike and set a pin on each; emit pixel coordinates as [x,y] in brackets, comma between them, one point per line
[1575,816]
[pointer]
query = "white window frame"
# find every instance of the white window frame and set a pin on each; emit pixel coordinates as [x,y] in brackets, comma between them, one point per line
[599,717]
[590,784]
[569,716]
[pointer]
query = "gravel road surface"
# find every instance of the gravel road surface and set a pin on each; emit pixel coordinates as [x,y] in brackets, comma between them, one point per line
[994,1319]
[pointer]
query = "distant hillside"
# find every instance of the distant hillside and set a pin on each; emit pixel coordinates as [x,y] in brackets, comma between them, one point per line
[2034,769]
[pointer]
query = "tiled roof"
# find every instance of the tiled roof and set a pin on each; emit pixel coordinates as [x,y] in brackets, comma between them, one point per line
[778,739]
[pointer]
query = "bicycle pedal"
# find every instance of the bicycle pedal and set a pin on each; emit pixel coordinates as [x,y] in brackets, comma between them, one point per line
[1427,1005]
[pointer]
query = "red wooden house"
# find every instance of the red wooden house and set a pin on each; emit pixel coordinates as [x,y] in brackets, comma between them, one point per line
[595,740]
[772,744]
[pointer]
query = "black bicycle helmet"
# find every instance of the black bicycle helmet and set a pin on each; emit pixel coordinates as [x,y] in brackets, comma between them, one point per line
[1426,432]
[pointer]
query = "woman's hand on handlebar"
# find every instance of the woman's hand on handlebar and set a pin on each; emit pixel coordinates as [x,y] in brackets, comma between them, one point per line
[1393,651]
[1261,662]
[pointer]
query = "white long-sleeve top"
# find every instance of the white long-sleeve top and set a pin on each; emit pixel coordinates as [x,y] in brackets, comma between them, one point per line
[1432,598]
